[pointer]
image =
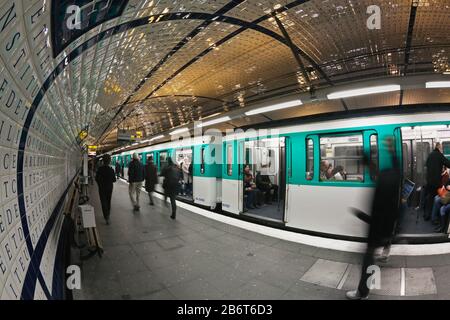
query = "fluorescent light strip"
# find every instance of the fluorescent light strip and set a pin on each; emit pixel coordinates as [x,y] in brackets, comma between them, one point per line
[438,84]
[181,130]
[278,106]
[363,91]
[214,121]
[156,138]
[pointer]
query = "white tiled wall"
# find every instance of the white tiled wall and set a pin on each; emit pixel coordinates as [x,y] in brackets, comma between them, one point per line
[50,155]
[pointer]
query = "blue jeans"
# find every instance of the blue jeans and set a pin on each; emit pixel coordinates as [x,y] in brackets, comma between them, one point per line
[436,207]
[250,201]
[445,210]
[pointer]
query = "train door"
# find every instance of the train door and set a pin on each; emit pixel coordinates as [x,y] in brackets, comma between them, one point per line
[417,144]
[264,178]
[232,178]
[184,159]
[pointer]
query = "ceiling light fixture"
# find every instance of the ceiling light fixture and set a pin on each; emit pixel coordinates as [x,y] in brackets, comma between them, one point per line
[438,84]
[363,91]
[214,121]
[156,138]
[274,107]
[177,131]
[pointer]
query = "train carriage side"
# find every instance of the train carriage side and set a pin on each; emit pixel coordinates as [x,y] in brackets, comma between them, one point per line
[319,202]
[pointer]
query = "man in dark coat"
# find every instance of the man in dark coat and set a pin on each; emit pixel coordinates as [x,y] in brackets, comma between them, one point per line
[435,162]
[135,178]
[385,211]
[151,178]
[117,169]
[170,184]
[105,178]
[264,184]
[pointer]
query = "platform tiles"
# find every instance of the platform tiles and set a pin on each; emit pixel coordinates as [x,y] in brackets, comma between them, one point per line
[393,281]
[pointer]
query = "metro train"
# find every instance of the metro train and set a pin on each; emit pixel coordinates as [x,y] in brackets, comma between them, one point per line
[291,156]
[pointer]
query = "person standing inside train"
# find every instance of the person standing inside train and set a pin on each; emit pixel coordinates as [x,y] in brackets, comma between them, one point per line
[135,178]
[170,184]
[385,211]
[435,162]
[105,179]
[151,178]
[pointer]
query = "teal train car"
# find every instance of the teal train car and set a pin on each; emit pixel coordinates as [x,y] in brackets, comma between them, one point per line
[308,176]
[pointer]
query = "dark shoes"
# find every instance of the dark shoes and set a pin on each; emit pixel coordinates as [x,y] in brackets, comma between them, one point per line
[152,204]
[137,208]
[107,222]
[172,217]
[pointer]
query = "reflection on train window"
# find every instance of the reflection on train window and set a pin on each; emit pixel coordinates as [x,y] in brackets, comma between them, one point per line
[163,160]
[341,158]
[373,157]
[309,159]
[230,160]
[202,160]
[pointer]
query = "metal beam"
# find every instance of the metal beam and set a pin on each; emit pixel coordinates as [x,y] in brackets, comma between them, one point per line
[294,52]
[412,21]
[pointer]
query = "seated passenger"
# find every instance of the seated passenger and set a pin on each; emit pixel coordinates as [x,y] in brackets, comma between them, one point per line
[440,201]
[249,189]
[264,184]
[339,174]
[324,165]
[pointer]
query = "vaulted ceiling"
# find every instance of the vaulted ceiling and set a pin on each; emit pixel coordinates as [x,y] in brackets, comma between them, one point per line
[162,64]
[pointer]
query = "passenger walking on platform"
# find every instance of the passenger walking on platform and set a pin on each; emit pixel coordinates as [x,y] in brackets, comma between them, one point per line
[135,178]
[105,178]
[117,169]
[151,178]
[170,184]
[385,211]
[435,161]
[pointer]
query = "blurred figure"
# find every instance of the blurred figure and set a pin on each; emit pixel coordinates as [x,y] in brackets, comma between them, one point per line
[105,178]
[135,178]
[170,185]
[117,169]
[435,161]
[385,212]
[151,178]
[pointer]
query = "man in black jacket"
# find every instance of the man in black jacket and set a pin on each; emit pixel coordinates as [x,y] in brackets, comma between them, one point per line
[105,178]
[151,178]
[435,162]
[170,185]
[385,212]
[135,178]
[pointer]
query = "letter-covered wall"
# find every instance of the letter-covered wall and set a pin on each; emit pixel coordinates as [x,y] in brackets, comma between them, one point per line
[38,153]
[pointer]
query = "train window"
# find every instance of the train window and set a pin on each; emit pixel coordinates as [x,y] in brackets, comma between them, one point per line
[309,159]
[230,160]
[163,158]
[373,156]
[341,158]
[202,160]
[446,148]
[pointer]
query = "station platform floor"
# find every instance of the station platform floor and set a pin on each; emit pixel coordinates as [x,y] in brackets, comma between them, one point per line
[149,256]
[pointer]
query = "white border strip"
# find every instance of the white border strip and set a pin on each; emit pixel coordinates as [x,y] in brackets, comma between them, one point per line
[403,283]
[314,241]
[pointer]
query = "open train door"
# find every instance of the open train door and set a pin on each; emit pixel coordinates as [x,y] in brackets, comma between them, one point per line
[267,160]
[232,176]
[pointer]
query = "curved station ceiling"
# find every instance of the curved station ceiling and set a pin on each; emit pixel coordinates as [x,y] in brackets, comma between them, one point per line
[154,65]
